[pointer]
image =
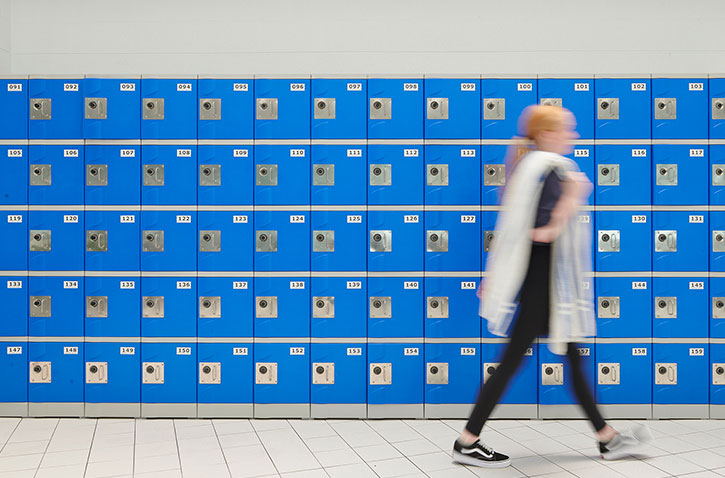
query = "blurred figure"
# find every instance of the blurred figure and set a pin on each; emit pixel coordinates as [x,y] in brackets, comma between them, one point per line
[538,259]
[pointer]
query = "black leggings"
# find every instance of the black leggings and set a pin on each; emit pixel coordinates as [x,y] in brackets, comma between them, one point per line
[533,320]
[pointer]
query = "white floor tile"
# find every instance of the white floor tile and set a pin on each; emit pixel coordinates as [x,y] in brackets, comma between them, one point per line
[159,474]
[637,469]
[600,471]
[535,465]
[306,474]
[673,464]
[378,452]
[62,458]
[18,474]
[674,445]
[23,462]
[434,462]
[508,472]
[205,471]
[460,472]
[551,428]
[545,446]
[415,447]
[312,428]
[287,451]
[704,458]
[522,434]
[24,448]
[394,430]
[571,460]
[263,425]
[357,433]
[232,426]
[337,457]
[109,468]
[147,450]
[702,474]
[250,461]
[157,463]
[101,454]
[393,467]
[359,470]
[326,444]
[239,439]
[68,471]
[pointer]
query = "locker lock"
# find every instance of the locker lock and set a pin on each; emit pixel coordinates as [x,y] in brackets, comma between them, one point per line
[266,241]
[608,175]
[97,241]
[718,307]
[718,174]
[40,372]
[210,175]
[97,175]
[41,175]
[96,372]
[40,108]
[666,307]
[324,307]
[266,307]
[437,307]
[153,241]
[494,108]
[495,175]
[552,374]
[324,241]
[267,108]
[96,108]
[40,306]
[488,370]
[153,372]
[437,374]
[381,108]
[437,175]
[210,373]
[667,175]
[210,109]
[718,374]
[381,374]
[488,237]
[437,109]
[609,374]
[608,108]
[324,175]
[608,308]
[324,108]
[153,307]
[666,241]
[381,175]
[381,308]
[666,374]
[437,241]
[324,373]
[153,175]
[267,175]
[718,108]
[39,240]
[381,241]
[266,373]
[210,241]
[665,108]
[718,241]
[153,108]
[97,306]
[609,241]
[210,307]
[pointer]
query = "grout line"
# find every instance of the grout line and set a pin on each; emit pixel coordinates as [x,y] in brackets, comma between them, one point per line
[50,440]
[88,455]
[221,448]
[353,448]
[305,444]
[178,453]
[264,448]
[10,435]
[133,455]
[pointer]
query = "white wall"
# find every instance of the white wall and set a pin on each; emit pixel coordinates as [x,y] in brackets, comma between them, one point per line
[368,36]
[5,35]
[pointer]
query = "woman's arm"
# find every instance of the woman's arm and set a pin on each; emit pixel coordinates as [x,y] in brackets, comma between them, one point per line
[574,189]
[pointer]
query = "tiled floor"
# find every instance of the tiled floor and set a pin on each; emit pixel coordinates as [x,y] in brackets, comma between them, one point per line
[339,448]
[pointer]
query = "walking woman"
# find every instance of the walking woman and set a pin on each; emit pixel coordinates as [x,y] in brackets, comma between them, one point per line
[538,259]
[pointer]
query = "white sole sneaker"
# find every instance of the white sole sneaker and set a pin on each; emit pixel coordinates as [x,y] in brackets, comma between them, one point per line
[467,460]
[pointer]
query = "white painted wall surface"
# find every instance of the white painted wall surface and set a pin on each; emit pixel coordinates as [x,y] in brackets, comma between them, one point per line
[370,36]
[5,36]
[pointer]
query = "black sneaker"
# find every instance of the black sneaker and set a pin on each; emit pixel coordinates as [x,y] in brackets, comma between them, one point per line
[478,454]
[625,443]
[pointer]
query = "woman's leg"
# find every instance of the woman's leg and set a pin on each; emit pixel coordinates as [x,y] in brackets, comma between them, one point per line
[583,393]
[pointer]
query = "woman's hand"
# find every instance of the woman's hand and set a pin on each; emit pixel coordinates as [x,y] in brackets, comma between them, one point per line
[547,233]
[481,289]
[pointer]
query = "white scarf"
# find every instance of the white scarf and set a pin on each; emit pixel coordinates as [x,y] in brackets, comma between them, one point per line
[571,314]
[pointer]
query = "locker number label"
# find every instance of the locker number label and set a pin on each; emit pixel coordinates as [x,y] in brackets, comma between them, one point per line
[584,219]
[70,218]
[183,153]
[183,350]
[15,218]
[639,285]
[697,219]
[15,153]
[70,153]
[183,284]
[296,350]
[183,219]
[468,153]
[696,86]
[639,219]
[468,285]
[525,87]
[410,152]
[297,87]
[354,284]
[297,284]
[468,219]
[297,219]
[581,86]
[410,351]
[240,219]
[697,285]
[354,219]
[410,86]
[240,351]
[128,350]
[529,352]
[70,350]
[240,284]
[697,153]
[15,87]
[354,153]
[128,284]
[586,285]
[70,284]
[183,87]
[70,86]
[639,153]
[468,87]
[639,351]
[410,285]
[639,86]
[411,219]
[128,153]
[468,351]
[241,86]
[297,153]
[354,351]
[354,87]
[15,284]
[127,87]
[584,351]
[128,219]
[581,153]
[241,153]
[15,350]
[697,351]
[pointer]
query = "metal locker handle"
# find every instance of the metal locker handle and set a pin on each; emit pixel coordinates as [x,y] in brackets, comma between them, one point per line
[614,374]
[670,240]
[615,241]
[44,372]
[615,307]
[671,374]
[101,372]
[556,375]
[670,307]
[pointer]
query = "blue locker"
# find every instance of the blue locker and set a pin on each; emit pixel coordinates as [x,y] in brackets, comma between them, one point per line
[339,371]
[111,241]
[56,108]
[395,108]
[168,174]
[583,156]
[339,107]
[339,174]
[14,230]
[225,174]
[717,241]
[339,240]
[14,296]
[225,377]
[395,306]
[168,108]
[281,306]
[453,174]
[717,305]
[503,101]
[453,108]
[225,240]
[168,240]
[226,108]
[395,378]
[282,240]
[112,306]
[14,358]
[56,174]
[555,383]
[522,388]
[717,372]
[13,107]
[56,306]
[679,108]
[453,240]
[112,173]
[488,229]
[168,306]
[14,181]
[623,239]
[282,374]
[395,174]
[56,378]
[112,376]
[681,307]
[282,108]
[680,240]
[396,240]
[623,108]
[282,174]
[624,377]
[680,174]
[574,94]
[493,172]
[111,107]
[717,173]
[453,377]
[620,172]
[452,307]
[624,306]
[168,376]
[226,305]
[681,377]
[716,89]
[339,307]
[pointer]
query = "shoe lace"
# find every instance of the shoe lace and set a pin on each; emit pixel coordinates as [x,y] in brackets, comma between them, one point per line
[486,448]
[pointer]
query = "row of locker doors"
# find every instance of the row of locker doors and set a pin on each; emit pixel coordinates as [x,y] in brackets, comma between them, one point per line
[376,108]
[626,377]
[178,174]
